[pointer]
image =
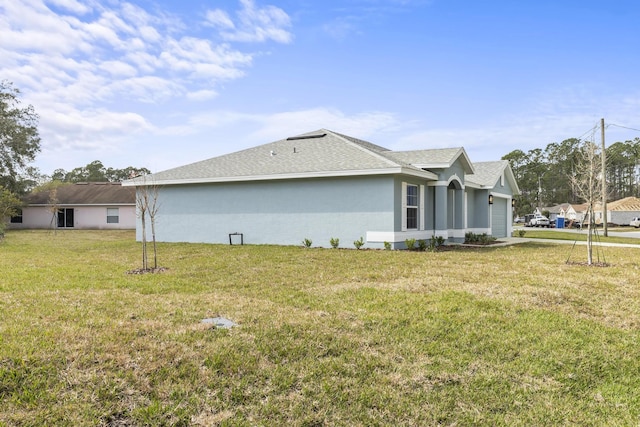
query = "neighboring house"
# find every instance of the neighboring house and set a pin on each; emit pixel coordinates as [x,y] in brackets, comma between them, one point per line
[95,205]
[565,210]
[322,185]
[622,211]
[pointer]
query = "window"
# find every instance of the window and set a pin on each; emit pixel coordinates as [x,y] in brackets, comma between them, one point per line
[113,216]
[412,207]
[18,218]
[65,218]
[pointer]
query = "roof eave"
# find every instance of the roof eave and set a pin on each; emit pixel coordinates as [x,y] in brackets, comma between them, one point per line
[302,175]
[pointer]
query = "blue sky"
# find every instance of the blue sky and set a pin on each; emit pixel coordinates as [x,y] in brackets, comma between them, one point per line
[164,83]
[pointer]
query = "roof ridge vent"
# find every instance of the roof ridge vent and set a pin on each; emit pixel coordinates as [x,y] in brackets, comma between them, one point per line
[317,135]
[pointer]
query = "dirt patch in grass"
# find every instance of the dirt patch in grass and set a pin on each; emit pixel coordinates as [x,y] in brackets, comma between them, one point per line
[147,270]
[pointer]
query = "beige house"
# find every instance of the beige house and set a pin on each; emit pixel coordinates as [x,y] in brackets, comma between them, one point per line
[622,211]
[95,205]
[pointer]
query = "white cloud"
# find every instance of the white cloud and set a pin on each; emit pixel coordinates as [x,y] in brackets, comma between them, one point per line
[89,67]
[220,19]
[202,95]
[71,6]
[262,128]
[256,24]
[89,129]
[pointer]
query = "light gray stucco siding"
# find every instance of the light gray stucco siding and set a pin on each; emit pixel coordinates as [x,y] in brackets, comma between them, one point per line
[277,212]
[479,219]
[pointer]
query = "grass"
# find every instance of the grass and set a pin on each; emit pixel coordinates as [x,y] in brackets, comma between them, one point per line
[493,336]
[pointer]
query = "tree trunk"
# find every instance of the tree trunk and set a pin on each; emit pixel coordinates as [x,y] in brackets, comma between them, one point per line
[590,237]
[145,264]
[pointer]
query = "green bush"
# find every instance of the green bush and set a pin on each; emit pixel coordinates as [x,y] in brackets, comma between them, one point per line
[335,242]
[387,246]
[410,244]
[307,243]
[359,243]
[435,242]
[478,239]
[422,245]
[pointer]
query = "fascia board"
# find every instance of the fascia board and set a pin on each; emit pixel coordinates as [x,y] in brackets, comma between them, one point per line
[304,175]
[38,205]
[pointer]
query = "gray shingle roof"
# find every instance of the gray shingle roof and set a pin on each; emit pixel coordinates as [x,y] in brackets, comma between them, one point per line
[487,173]
[320,152]
[439,158]
[92,193]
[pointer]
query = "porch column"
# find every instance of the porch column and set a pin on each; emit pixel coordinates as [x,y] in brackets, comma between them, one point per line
[441,209]
[460,208]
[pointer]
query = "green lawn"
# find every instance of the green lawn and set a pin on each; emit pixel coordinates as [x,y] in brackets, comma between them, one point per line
[508,336]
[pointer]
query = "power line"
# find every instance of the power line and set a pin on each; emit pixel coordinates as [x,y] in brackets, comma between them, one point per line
[592,131]
[623,127]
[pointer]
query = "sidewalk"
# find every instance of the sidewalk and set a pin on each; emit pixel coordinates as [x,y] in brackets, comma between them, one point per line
[506,241]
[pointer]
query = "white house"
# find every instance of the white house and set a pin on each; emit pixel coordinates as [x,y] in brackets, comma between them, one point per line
[94,205]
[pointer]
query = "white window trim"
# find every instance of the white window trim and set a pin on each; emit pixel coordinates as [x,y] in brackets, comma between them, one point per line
[419,207]
[403,214]
[421,219]
[117,216]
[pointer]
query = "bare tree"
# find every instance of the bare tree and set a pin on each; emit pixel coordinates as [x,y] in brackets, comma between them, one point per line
[141,205]
[53,206]
[587,184]
[147,207]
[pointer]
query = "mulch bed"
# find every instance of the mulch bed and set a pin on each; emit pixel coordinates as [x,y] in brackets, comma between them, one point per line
[147,270]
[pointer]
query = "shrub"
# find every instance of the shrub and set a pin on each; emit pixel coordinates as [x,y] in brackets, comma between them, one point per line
[359,243]
[387,246]
[469,237]
[422,245]
[410,244]
[478,239]
[335,242]
[307,243]
[521,233]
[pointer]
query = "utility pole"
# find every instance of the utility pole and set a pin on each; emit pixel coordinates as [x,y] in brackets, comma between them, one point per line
[604,182]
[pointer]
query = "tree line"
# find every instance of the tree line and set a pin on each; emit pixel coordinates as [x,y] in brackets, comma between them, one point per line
[97,172]
[545,175]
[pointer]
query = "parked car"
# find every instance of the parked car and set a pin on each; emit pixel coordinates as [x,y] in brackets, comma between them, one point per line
[519,220]
[635,222]
[539,221]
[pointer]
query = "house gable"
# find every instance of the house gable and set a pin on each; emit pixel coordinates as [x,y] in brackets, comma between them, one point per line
[497,176]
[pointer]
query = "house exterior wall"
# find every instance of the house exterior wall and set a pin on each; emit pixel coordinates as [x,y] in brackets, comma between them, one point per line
[281,212]
[85,217]
[502,195]
[622,217]
[478,220]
